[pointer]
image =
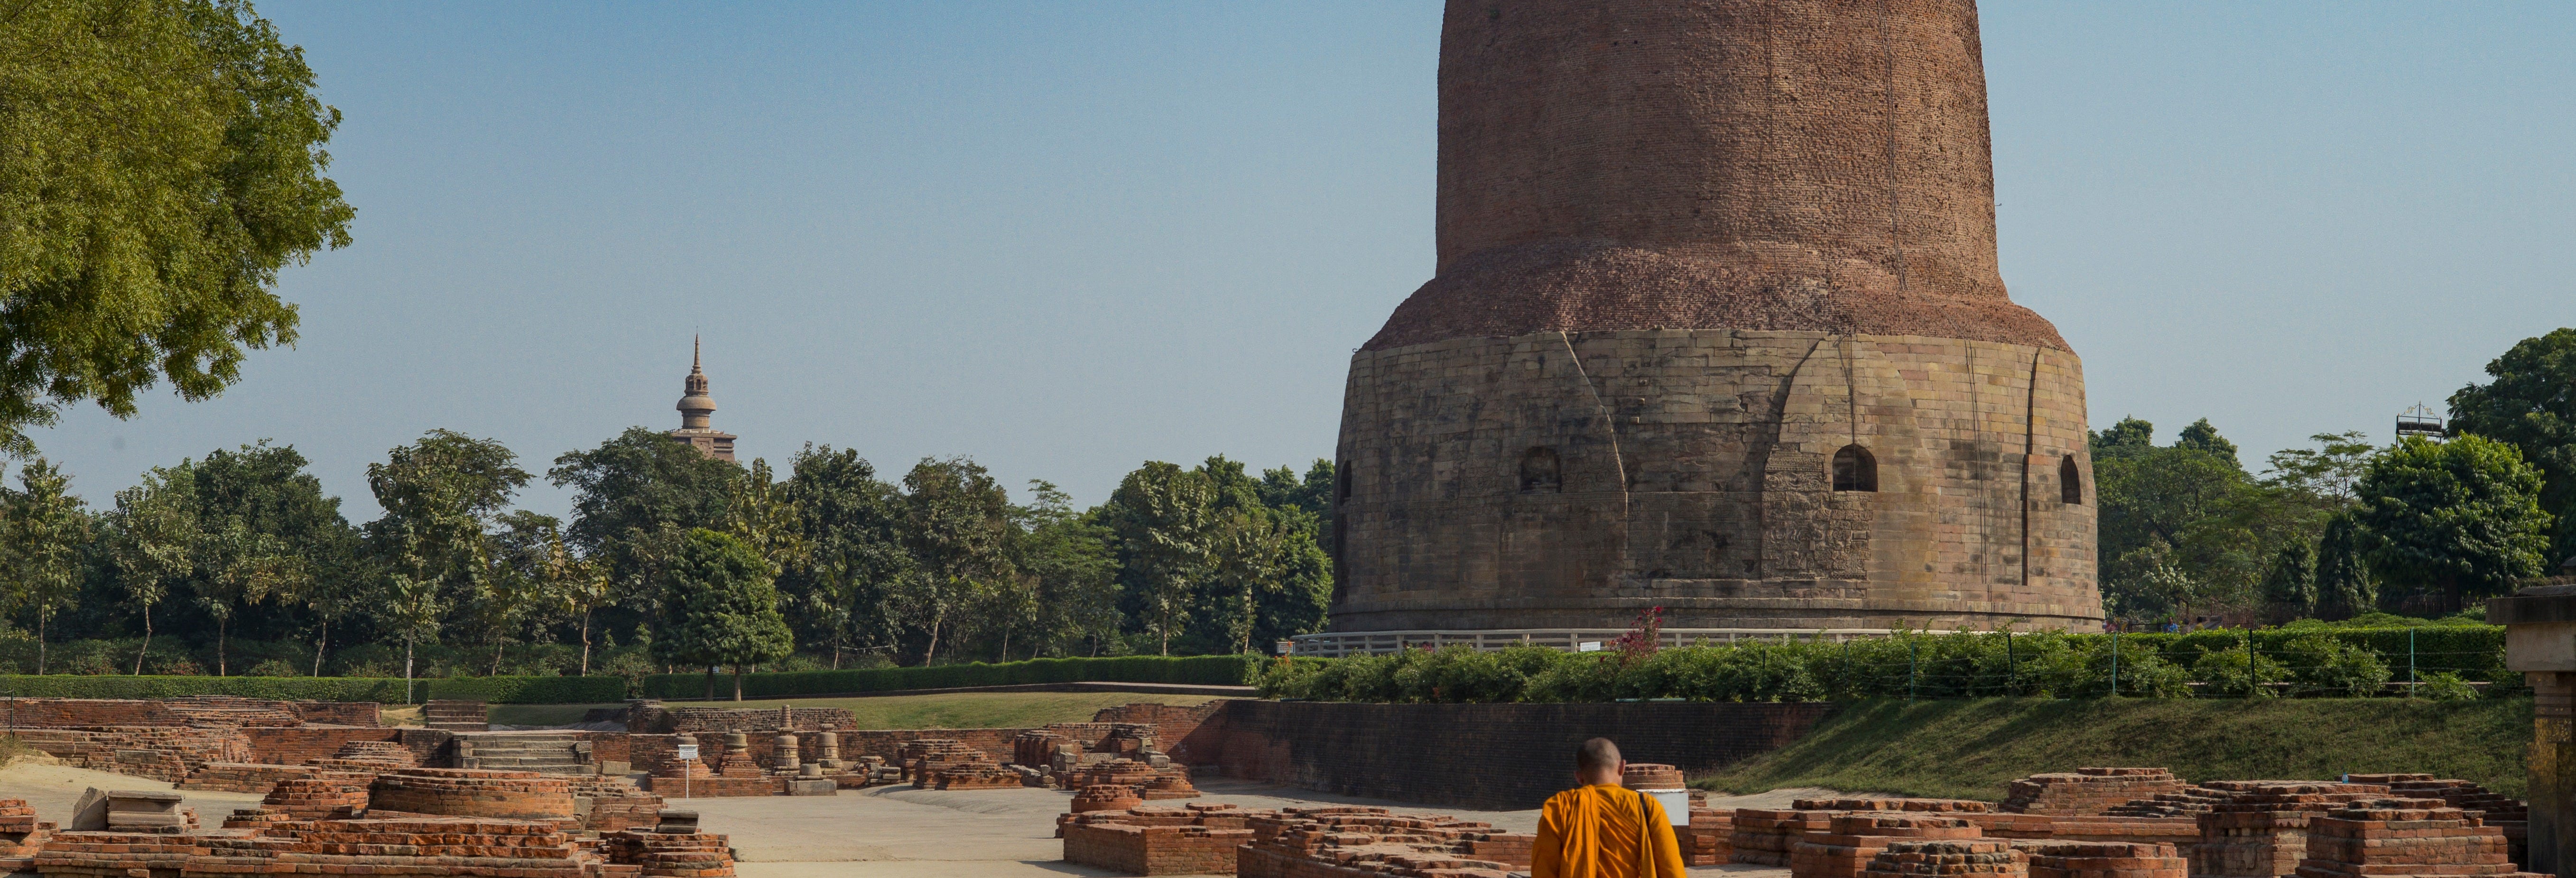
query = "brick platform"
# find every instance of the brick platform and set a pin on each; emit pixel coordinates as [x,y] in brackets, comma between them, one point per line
[2068,859]
[325,797]
[2087,791]
[2260,830]
[1193,840]
[1353,842]
[1934,859]
[1851,841]
[462,792]
[244,777]
[2385,837]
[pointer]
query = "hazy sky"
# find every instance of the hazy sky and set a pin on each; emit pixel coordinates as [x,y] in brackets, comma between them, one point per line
[1066,238]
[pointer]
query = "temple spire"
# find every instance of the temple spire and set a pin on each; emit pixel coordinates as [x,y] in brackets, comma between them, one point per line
[697,411]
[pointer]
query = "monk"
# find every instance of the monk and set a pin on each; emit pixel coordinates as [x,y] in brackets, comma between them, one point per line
[1601,829]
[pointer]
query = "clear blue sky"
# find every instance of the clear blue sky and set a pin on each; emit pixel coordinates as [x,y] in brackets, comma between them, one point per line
[1066,238]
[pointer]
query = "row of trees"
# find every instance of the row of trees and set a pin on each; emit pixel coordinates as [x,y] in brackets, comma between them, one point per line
[704,561]
[2346,526]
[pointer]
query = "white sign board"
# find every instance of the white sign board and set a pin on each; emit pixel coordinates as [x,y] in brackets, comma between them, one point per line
[1676,805]
[688,751]
[1588,646]
[1286,647]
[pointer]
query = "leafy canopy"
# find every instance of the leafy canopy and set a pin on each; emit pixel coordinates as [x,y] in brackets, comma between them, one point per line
[164,161]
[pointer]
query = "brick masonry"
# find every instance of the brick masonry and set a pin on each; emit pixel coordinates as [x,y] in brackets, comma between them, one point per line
[1687,251]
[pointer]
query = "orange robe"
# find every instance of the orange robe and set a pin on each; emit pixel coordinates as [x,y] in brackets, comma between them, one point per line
[1591,832]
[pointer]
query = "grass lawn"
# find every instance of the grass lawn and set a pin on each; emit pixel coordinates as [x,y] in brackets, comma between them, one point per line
[964,710]
[1972,749]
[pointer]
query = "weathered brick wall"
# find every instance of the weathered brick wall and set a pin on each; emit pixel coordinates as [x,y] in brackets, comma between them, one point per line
[1174,725]
[165,753]
[1482,755]
[339,713]
[55,713]
[296,746]
[653,717]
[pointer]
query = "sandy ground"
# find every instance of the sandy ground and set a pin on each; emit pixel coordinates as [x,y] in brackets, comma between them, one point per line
[880,832]
[52,789]
[901,832]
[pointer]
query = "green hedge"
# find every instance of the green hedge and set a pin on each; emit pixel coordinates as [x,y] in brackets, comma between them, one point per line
[529,690]
[1224,670]
[383,690]
[377,689]
[2298,661]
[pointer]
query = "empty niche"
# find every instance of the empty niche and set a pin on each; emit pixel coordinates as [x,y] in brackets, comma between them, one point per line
[2070,482]
[1540,473]
[1342,475]
[1855,469]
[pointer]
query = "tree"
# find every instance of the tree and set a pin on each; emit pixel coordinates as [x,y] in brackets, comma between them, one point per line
[1066,555]
[528,584]
[2460,518]
[723,607]
[239,566]
[165,161]
[2290,586]
[437,493]
[265,491]
[2326,472]
[1164,520]
[47,531]
[957,528]
[2128,436]
[635,498]
[2345,585]
[2201,436]
[151,537]
[2531,404]
[849,522]
[1244,557]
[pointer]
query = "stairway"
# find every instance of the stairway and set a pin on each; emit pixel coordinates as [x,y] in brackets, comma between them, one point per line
[548,752]
[456,716]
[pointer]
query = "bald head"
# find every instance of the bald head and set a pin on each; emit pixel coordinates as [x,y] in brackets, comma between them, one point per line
[1596,759]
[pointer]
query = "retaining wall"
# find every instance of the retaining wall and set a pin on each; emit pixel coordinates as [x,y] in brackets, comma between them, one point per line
[1499,756]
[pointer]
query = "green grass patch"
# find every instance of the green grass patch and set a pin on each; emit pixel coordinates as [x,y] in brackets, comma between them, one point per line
[544,714]
[1972,748]
[965,710]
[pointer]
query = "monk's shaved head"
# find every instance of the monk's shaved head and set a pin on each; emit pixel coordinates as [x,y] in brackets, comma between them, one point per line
[1597,754]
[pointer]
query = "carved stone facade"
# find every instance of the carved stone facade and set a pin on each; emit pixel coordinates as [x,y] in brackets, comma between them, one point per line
[697,412]
[1717,327]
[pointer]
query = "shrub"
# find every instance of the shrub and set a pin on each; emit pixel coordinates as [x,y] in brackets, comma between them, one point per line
[150,686]
[272,668]
[2326,666]
[2445,686]
[1227,670]
[2238,673]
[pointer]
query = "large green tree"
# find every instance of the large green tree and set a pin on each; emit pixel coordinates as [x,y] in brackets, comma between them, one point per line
[723,608]
[1164,519]
[2531,403]
[958,529]
[151,536]
[47,531]
[164,160]
[1065,559]
[2453,520]
[635,498]
[438,494]
[850,524]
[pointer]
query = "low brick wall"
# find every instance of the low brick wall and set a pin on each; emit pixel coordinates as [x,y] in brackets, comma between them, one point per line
[296,746]
[340,713]
[1501,756]
[163,753]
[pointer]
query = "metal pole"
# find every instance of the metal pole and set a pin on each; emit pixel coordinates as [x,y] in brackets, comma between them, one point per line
[1912,662]
[2410,663]
[2012,666]
[2115,662]
[2252,677]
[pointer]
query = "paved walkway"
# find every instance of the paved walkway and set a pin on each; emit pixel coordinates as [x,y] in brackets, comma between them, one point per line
[879,832]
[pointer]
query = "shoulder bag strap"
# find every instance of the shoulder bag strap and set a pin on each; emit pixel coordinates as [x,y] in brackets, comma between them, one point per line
[1645,839]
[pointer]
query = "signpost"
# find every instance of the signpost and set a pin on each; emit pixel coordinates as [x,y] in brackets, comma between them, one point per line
[688,760]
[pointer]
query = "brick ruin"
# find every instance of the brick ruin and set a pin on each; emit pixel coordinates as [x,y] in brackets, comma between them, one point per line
[2077,825]
[371,816]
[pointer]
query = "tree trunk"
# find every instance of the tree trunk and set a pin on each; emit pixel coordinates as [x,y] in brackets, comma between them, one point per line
[408,695]
[321,643]
[497,646]
[147,641]
[585,643]
[711,682]
[932,653]
[40,641]
[221,669]
[737,682]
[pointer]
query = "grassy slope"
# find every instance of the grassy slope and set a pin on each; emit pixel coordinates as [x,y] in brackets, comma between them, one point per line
[1972,749]
[968,710]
